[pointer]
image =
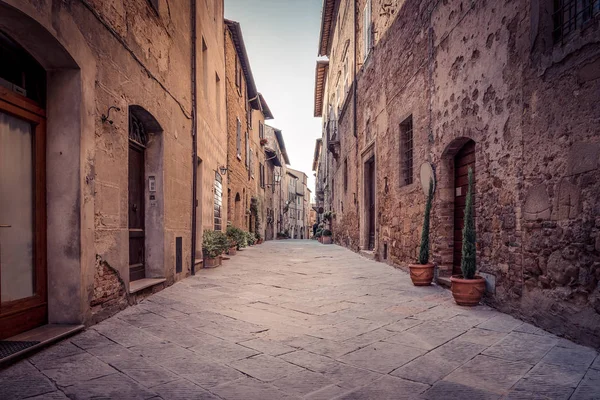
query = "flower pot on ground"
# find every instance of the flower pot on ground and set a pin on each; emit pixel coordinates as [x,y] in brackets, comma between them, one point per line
[326,238]
[232,250]
[250,238]
[214,243]
[237,237]
[469,287]
[421,274]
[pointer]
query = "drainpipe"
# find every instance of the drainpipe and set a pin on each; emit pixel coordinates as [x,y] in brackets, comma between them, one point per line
[194,139]
[354,69]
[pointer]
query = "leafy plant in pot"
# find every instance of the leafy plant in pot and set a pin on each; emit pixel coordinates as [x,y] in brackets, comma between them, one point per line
[237,239]
[214,243]
[421,274]
[469,287]
[319,235]
[326,238]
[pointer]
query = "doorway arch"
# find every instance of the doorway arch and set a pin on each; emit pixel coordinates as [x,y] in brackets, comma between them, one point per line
[145,196]
[69,135]
[458,156]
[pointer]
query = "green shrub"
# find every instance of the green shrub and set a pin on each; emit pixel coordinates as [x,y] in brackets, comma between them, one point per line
[468,263]
[214,243]
[319,232]
[424,250]
[237,236]
[250,238]
[326,232]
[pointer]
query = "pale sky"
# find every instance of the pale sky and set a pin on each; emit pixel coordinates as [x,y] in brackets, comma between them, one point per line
[281,38]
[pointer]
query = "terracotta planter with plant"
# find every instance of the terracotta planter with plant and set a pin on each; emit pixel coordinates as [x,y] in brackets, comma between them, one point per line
[469,287]
[214,243]
[326,238]
[421,274]
[232,250]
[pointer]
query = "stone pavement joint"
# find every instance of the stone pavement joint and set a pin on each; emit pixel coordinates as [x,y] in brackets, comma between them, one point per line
[301,320]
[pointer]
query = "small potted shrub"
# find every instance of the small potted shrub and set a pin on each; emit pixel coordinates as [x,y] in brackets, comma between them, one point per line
[326,238]
[421,274]
[250,238]
[319,235]
[469,287]
[237,239]
[259,239]
[214,243]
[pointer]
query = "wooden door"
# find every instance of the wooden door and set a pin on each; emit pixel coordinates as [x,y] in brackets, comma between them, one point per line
[464,160]
[136,213]
[371,202]
[23,298]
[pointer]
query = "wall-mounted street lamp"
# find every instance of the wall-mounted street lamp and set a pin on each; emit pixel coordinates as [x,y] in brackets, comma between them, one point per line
[223,169]
[277,181]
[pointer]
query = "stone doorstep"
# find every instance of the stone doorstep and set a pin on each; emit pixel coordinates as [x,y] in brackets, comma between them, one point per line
[368,254]
[145,283]
[45,335]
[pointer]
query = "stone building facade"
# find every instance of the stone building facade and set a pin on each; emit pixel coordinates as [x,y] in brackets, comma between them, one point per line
[112,108]
[509,89]
[246,115]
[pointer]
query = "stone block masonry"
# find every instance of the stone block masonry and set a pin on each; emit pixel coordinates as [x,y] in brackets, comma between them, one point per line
[496,77]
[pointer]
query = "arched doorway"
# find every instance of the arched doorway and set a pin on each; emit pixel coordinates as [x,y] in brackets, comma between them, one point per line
[463,160]
[145,205]
[23,285]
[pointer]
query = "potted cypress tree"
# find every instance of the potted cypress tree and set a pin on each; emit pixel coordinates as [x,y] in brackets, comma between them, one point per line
[469,287]
[421,274]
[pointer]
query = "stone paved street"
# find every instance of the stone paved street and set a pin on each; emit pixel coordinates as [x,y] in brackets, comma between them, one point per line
[297,319]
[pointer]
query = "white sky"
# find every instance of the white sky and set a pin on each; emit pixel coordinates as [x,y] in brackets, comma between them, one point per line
[281,38]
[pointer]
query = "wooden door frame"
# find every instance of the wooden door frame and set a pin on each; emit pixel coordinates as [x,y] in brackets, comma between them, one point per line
[24,314]
[142,149]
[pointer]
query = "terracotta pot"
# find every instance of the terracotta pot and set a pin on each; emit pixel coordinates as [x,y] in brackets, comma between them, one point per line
[232,251]
[421,274]
[212,262]
[467,292]
[326,240]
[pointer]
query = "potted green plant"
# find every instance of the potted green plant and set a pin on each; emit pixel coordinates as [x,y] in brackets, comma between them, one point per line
[259,239]
[319,235]
[469,287]
[326,238]
[250,238]
[237,239]
[214,243]
[421,273]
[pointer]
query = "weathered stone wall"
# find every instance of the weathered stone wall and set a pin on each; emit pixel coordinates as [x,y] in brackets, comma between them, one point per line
[120,53]
[110,293]
[487,72]
[238,174]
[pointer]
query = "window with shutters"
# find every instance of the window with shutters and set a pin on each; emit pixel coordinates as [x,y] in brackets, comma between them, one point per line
[238,139]
[345,175]
[261,175]
[251,164]
[367,30]
[247,151]
[261,130]
[407,149]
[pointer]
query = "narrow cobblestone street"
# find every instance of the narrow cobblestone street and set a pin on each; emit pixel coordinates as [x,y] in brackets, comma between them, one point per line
[297,319]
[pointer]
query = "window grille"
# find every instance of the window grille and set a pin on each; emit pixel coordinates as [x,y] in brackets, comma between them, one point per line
[137,133]
[239,139]
[569,15]
[406,132]
[218,203]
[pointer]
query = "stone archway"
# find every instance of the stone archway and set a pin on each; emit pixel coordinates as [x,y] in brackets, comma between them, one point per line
[69,144]
[458,155]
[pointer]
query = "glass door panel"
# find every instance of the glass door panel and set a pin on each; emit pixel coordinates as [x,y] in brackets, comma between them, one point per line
[17,270]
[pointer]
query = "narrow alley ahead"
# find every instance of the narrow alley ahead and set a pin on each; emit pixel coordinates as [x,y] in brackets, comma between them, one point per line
[297,319]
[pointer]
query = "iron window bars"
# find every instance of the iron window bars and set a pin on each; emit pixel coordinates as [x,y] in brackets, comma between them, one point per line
[569,15]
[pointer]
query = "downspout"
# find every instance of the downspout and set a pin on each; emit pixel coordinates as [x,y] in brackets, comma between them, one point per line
[194,139]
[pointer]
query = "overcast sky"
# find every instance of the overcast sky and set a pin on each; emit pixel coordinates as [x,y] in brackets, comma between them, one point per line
[281,38]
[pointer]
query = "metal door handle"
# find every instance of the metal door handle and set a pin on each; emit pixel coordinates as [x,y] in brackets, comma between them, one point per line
[5,226]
